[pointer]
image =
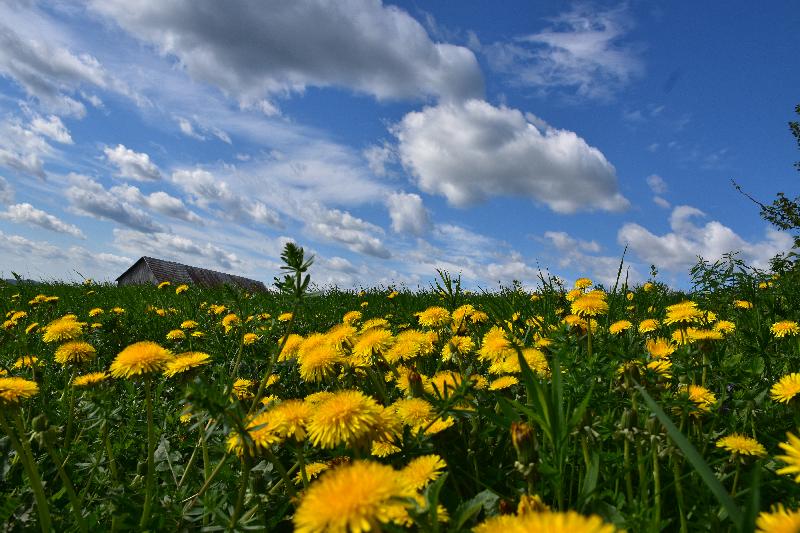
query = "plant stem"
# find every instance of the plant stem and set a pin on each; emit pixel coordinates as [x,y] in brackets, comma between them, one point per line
[676,473]
[71,412]
[112,465]
[74,499]
[237,511]
[151,446]
[736,478]
[656,489]
[301,460]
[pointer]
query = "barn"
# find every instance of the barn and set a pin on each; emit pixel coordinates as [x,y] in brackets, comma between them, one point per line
[149,270]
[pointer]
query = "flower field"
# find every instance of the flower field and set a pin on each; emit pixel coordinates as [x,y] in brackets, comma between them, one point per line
[574,407]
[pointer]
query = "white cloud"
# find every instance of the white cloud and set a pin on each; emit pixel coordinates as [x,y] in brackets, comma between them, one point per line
[564,242]
[6,191]
[378,157]
[469,152]
[25,213]
[22,149]
[661,202]
[252,51]
[87,197]
[656,184]
[334,225]
[132,165]
[207,190]
[158,201]
[581,258]
[53,128]
[187,129]
[581,51]
[678,250]
[408,214]
[168,245]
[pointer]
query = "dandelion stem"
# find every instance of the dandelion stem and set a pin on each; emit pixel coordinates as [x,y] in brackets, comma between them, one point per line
[112,465]
[74,499]
[301,460]
[151,446]
[676,473]
[71,412]
[656,489]
[237,511]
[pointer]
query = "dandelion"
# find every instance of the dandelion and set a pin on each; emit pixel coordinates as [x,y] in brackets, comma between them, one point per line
[434,317]
[242,388]
[14,389]
[89,380]
[66,328]
[75,352]
[176,335]
[443,383]
[347,417]
[742,304]
[188,324]
[318,362]
[725,326]
[495,345]
[284,317]
[375,323]
[408,345]
[291,347]
[371,342]
[26,361]
[313,470]
[573,295]
[421,471]
[503,383]
[550,521]
[778,520]
[661,367]
[648,325]
[261,433]
[413,411]
[95,312]
[786,388]
[660,348]
[140,358]
[351,317]
[230,321]
[589,305]
[784,328]
[249,338]
[619,326]
[117,310]
[383,449]
[792,457]
[700,396]
[181,288]
[683,313]
[583,283]
[184,362]
[739,444]
[353,498]
[31,327]
[164,284]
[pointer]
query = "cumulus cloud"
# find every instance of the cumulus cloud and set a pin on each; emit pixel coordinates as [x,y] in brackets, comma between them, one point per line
[22,149]
[132,165]
[407,213]
[87,197]
[471,151]
[583,50]
[158,201]
[207,190]
[6,192]
[334,225]
[564,242]
[25,213]
[679,249]
[581,257]
[378,156]
[169,245]
[53,128]
[661,202]
[252,51]
[656,184]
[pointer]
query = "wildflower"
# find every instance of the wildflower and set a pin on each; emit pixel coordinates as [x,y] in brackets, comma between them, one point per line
[725,326]
[291,347]
[26,361]
[89,380]
[503,383]
[703,334]
[784,328]
[792,457]
[198,334]
[261,433]
[700,396]
[619,326]
[392,295]
[439,425]
[421,471]
[341,336]
[241,388]
[284,317]
[739,444]
[351,317]
[364,304]
[647,287]
[164,284]
[375,323]
[184,362]
[461,315]
[117,310]
[661,367]
[531,504]
[95,312]
[188,324]
[230,321]
[742,304]
[434,317]
[778,520]
[318,362]
[217,309]
[383,449]
[495,345]
[590,305]
[478,317]
[357,497]
[786,388]
[140,358]
[66,328]
[413,411]
[292,418]
[550,521]
[373,341]
[457,344]
[629,296]
[583,283]
[408,345]
[313,470]
[443,383]
[659,348]
[648,325]
[347,417]
[683,313]
[176,335]
[181,288]
[249,338]
[31,327]
[75,352]
[12,390]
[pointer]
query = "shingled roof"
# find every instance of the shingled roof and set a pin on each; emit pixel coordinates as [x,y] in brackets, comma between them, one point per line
[179,273]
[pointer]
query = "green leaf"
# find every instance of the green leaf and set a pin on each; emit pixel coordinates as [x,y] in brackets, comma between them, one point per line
[486,500]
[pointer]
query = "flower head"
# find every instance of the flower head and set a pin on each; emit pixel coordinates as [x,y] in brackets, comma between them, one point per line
[742,304]
[75,352]
[434,317]
[659,348]
[700,396]
[181,288]
[26,361]
[12,390]
[184,362]
[683,313]
[786,388]
[785,328]
[648,325]
[66,328]
[583,283]
[778,520]
[372,341]
[792,457]
[739,444]
[140,358]
[503,382]
[591,304]
[346,417]
[318,360]
[89,380]
[176,335]
[550,521]
[242,388]
[619,326]
[421,471]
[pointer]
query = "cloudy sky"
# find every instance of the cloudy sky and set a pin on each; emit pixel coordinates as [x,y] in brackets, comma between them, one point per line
[488,138]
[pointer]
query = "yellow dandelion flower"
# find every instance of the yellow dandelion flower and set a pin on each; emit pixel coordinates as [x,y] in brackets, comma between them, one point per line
[683,313]
[95,312]
[189,324]
[242,388]
[249,338]
[26,361]
[230,321]
[703,334]
[164,284]
[725,326]
[443,383]
[647,287]
[383,449]
[408,345]
[284,317]
[341,336]
[700,396]
[786,388]
[371,342]
[176,335]
[140,358]
[413,411]
[583,283]
[14,389]
[346,417]
[318,361]
[503,383]
[117,310]
[434,317]
[461,314]
[66,328]
[778,520]
[355,498]
[291,418]
[648,325]
[313,470]
[742,304]
[261,433]
[573,295]
[784,328]
[89,380]
[351,317]
[439,425]
[375,323]
[739,444]
[478,317]
[659,348]
[317,398]
[661,367]
[181,288]
[550,521]
[75,352]
[619,326]
[31,327]
[792,457]
[291,347]
[495,346]
[184,362]
[421,471]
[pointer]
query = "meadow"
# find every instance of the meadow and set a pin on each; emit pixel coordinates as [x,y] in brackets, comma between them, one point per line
[572,407]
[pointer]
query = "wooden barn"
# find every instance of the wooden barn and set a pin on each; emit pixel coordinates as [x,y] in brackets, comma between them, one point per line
[149,270]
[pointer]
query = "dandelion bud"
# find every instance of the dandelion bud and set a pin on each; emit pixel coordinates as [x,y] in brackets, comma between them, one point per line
[40,423]
[523,438]
[415,384]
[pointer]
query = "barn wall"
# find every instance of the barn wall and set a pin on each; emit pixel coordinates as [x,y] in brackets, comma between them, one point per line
[139,275]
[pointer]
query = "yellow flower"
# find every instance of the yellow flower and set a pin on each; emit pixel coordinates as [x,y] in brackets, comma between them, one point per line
[346,417]
[778,520]
[784,328]
[184,362]
[351,317]
[371,342]
[230,321]
[117,310]
[164,284]
[383,449]
[409,344]
[786,388]
[241,388]
[659,348]
[661,367]
[181,288]
[443,383]
[12,390]
[503,383]
[140,358]
[284,317]
[393,295]
[261,430]
[75,352]
[66,328]
[792,457]
[590,305]
[700,396]
[434,317]
[683,313]
[355,498]
[88,380]
[292,418]
[95,312]
[188,324]
[249,338]
[549,521]
[313,470]
[742,304]
[413,411]
[573,295]
[648,325]
[739,444]
[461,315]
[31,327]
[495,345]
[421,471]
[725,326]
[619,326]
[176,335]
[291,347]
[583,283]
[318,360]
[26,361]
[647,287]
[374,323]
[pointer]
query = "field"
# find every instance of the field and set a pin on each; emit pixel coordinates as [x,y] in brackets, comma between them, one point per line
[573,407]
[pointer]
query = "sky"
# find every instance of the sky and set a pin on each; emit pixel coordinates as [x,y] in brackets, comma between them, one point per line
[498,140]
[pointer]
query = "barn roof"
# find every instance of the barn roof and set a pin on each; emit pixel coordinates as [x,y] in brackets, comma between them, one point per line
[180,273]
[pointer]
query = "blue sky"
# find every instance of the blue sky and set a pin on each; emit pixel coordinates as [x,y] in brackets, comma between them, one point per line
[392,139]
